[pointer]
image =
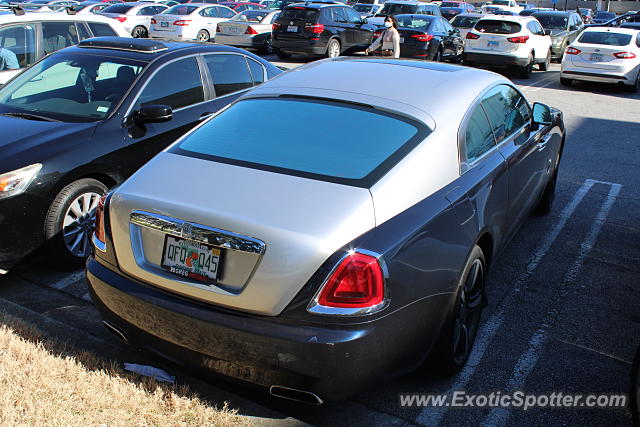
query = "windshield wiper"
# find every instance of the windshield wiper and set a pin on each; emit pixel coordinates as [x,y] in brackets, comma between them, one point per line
[30,116]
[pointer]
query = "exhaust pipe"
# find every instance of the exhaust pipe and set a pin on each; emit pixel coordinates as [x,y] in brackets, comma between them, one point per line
[295,395]
[117,332]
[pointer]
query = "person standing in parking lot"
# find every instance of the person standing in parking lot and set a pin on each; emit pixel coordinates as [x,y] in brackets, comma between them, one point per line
[389,39]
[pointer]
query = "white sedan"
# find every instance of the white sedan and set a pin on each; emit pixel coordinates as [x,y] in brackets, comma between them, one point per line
[602,54]
[135,17]
[190,21]
[248,29]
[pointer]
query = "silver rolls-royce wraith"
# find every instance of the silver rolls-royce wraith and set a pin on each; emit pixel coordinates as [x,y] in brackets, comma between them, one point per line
[331,228]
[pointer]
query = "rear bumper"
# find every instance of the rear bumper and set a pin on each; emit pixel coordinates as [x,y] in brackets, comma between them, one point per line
[21,227]
[627,77]
[332,360]
[495,59]
[419,51]
[256,42]
[300,47]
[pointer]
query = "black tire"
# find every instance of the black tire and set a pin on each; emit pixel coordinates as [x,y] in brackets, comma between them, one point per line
[566,82]
[139,32]
[267,48]
[58,250]
[447,357]
[333,48]
[544,66]
[438,56]
[525,72]
[283,55]
[636,87]
[203,36]
[548,195]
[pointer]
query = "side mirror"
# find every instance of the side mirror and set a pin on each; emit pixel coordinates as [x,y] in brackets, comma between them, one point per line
[153,114]
[547,32]
[541,115]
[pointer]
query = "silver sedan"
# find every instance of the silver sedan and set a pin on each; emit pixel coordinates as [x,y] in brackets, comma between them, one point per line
[323,233]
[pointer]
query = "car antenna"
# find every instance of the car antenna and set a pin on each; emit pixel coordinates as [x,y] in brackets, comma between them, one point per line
[17,10]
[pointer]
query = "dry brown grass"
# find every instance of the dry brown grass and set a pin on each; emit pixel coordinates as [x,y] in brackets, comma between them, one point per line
[43,381]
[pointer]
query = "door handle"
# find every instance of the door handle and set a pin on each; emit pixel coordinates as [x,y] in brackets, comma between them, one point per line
[542,142]
[206,115]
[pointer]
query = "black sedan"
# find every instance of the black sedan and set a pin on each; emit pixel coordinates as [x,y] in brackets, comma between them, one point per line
[85,118]
[428,37]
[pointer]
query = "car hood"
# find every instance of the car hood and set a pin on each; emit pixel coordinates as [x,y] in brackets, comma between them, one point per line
[557,33]
[25,142]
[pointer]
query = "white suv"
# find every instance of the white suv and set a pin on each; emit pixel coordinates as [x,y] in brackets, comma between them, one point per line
[518,41]
[26,38]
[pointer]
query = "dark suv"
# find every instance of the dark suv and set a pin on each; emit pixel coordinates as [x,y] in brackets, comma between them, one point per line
[320,29]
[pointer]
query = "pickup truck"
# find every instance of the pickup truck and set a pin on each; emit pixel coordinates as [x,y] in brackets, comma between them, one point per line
[505,5]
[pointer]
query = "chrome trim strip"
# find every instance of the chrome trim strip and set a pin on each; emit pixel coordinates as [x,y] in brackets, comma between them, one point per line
[317,398]
[99,245]
[198,232]
[315,308]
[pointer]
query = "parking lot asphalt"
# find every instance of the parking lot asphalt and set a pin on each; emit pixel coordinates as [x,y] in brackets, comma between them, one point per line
[563,295]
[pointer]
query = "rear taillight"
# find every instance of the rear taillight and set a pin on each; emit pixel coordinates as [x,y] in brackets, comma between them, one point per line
[250,30]
[357,282]
[472,36]
[218,30]
[315,28]
[422,37]
[182,23]
[153,21]
[519,39]
[624,55]
[275,26]
[377,34]
[572,51]
[99,230]
[120,18]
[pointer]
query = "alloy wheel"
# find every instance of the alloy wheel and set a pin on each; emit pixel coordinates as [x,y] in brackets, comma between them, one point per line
[468,313]
[203,36]
[139,32]
[334,49]
[78,223]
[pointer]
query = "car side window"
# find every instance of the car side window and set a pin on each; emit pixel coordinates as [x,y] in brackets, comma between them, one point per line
[531,27]
[257,71]
[447,26]
[478,138]
[58,35]
[17,47]
[99,29]
[165,89]
[241,8]
[539,29]
[209,12]
[225,13]
[352,16]
[230,73]
[83,33]
[339,15]
[507,111]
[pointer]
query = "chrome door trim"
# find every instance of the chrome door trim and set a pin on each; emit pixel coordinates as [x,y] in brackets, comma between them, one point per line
[198,232]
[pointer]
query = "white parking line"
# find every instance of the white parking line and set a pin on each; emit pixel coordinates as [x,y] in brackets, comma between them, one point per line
[432,416]
[529,359]
[547,82]
[69,280]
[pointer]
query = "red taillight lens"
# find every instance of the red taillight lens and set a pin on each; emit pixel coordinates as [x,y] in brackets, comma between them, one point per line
[315,29]
[357,282]
[275,26]
[519,39]
[250,30]
[572,51]
[377,34]
[120,18]
[182,23]
[99,230]
[218,30]
[472,36]
[422,37]
[153,21]
[624,55]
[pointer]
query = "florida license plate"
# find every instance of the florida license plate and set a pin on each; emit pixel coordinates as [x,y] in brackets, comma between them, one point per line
[164,24]
[292,29]
[492,43]
[192,260]
[595,57]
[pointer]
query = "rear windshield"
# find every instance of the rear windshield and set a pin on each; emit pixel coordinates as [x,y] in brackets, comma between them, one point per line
[606,38]
[396,9]
[449,4]
[496,26]
[300,13]
[415,22]
[605,15]
[251,15]
[363,8]
[300,145]
[501,2]
[117,8]
[181,9]
[464,21]
[552,22]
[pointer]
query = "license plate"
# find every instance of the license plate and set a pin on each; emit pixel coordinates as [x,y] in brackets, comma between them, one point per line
[232,30]
[492,43]
[401,39]
[292,29]
[595,57]
[164,24]
[191,260]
